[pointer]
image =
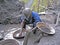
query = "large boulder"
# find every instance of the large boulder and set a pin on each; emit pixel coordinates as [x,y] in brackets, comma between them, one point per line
[10,9]
[50,17]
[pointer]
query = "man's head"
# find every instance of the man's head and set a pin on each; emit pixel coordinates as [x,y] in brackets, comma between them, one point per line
[27,12]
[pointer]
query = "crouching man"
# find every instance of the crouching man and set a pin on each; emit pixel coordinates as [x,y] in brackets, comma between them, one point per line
[31,17]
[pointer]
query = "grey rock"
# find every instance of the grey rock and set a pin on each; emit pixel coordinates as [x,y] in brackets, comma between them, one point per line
[9,9]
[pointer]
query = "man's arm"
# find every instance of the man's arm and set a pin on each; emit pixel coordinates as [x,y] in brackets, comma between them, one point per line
[23,25]
[36,17]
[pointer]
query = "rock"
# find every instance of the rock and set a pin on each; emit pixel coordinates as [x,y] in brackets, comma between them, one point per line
[10,9]
[1,36]
[50,17]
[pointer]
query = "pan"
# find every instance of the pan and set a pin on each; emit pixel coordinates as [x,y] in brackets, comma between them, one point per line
[45,28]
[16,35]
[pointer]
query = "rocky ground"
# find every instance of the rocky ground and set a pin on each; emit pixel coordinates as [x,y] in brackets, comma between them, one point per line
[48,40]
[8,10]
